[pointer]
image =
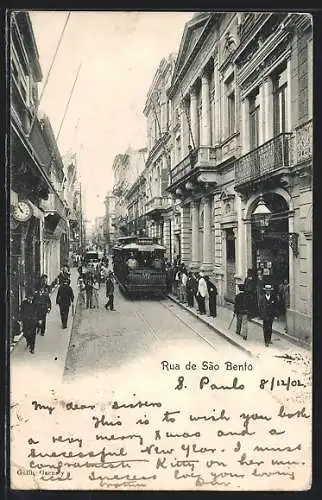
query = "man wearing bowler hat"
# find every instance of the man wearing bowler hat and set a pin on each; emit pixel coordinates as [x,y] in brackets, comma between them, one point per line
[268,307]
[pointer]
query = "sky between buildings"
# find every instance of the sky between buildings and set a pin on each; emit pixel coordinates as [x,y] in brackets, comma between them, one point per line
[119,53]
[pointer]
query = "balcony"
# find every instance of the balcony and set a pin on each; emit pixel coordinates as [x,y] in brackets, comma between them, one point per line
[303,142]
[156,205]
[270,159]
[203,157]
[36,139]
[54,205]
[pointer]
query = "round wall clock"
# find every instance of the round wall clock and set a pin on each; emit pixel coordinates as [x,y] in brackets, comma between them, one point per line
[22,211]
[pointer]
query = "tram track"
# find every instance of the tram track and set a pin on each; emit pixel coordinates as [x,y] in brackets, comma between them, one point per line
[151,328]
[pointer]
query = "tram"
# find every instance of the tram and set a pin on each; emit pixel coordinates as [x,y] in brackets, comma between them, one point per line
[139,265]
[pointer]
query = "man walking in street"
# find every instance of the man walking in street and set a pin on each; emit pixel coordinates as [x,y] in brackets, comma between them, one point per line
[110,292]
[28,318]
[65,298]
[241,311]
[43,307]
[268,308]
[89,283]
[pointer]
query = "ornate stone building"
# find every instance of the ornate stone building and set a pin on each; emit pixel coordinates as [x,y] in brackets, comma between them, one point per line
[157,111]
[241,97]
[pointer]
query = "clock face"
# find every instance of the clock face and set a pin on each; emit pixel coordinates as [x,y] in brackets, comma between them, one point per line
[22,211]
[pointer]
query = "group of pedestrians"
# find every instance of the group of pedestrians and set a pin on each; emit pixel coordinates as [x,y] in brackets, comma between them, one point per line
[37,304]
[194,288]
[264,302]
[89,282]
[255,298]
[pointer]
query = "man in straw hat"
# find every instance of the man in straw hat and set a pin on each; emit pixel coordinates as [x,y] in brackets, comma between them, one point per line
[268,307]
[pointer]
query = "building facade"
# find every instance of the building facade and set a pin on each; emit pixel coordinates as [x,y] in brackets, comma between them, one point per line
[109,217]
[241,97]
[33,164]
[127,168]
[157,110]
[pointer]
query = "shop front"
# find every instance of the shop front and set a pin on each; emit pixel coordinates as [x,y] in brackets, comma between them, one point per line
[272,248]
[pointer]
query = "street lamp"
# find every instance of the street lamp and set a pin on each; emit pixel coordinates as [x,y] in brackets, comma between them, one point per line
[262,215]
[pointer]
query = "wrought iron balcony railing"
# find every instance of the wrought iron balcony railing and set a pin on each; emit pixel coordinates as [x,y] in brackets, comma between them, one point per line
[204,156]
[264,160]
[303,142]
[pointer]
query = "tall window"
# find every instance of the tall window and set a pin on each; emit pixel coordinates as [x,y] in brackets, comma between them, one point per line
[178,148]
[19,76]
[280,90]
[253,119]
[231,105]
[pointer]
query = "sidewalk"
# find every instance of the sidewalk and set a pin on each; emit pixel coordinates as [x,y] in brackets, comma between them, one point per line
[51,349]
[254,345]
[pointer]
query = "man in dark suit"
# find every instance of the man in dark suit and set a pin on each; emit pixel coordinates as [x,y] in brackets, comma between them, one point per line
[65,297]
[268,308]
[43,307]
[29,321]
[110,291]
[241,311]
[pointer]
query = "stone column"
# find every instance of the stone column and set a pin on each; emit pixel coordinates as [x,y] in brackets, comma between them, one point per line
[289,98]
[193,118]
[261,117]
[166,237]
[268,99]
[244,127]
[205,119]
[182,132]
[185,235]
[217,118]
[207,247]
[240,244]
[195,234]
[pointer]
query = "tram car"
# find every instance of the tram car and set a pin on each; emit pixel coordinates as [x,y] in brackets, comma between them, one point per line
[139,266]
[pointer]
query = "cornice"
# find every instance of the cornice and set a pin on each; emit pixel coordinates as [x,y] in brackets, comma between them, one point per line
[174,85]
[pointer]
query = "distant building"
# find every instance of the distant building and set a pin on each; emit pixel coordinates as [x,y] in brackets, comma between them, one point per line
[109,219]
[127,168]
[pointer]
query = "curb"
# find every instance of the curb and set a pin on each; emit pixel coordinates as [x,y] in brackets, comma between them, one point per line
[231,340]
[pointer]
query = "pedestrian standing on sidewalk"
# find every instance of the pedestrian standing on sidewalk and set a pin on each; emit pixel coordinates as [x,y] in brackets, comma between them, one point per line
[110,291]
[250,292]
[96,287]
[28,318]
[65,298]
[212,293]
[241,311]
[177,281]
[43,307]
[202,293]
[183,285]
[268,307]
[190,289]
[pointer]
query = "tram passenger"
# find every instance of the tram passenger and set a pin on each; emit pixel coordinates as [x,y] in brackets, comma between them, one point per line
[131,262]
